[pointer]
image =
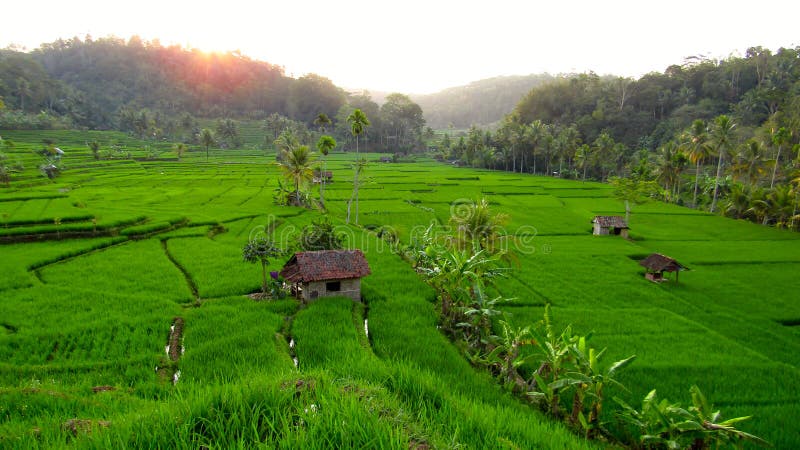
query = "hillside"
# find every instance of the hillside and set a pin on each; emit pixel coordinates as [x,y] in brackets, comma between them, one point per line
[91,83]
[120,254]
[481,103]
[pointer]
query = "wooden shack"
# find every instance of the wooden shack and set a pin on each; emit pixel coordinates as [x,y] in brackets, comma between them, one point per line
[326,273]
[656,264]
[323,175]
[614,225]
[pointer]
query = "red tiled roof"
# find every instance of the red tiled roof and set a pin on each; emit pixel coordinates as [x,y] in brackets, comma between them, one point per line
[658,263]
[610,221]
[325,265]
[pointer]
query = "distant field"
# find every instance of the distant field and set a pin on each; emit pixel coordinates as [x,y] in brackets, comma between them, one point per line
[147,248]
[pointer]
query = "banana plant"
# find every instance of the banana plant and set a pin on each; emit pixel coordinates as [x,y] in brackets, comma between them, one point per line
[589,383]
[555,358]
[479,315]
[662,424]
[505,358]
[716,430]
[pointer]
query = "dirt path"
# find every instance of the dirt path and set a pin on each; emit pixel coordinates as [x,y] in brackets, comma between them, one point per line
[168,370]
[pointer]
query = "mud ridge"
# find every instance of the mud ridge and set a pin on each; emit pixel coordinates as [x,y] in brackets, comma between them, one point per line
[189,281]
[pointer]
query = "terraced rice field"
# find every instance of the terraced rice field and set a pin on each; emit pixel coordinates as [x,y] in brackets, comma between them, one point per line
[98,265]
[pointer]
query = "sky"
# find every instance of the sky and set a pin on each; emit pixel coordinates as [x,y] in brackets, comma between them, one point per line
[418,47]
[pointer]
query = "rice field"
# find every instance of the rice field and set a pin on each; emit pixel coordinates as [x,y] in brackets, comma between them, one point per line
[100,263]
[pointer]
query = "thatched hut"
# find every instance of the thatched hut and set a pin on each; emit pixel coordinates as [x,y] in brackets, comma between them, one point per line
[323,175]
[656,264]
[326,273]
[605,225]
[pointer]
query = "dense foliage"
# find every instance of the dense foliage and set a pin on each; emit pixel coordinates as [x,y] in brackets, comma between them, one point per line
[153,91]
[721,135]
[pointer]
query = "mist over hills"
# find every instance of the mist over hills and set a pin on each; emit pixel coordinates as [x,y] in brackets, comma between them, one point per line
[481,102]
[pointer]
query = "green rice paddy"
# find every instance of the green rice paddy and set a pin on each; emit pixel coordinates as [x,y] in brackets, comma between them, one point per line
[97,264]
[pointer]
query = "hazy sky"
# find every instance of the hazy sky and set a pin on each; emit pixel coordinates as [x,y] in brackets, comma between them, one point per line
[418,46]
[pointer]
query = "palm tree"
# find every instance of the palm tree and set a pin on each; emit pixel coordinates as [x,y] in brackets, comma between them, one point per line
[698,150]
[94,146]
[582,157]
[759,208]
[23,90]
[779,137]
[534,134]
[603,151]
[207,139]
[358,168]
[285,142]
[180,149]
[325,145]
[358,123]
[261,250]
[322,121]
[737,202]
[749,162]
[781,205]
[476,227]
[722,139]
[668,166]
[5,171]
[296,166]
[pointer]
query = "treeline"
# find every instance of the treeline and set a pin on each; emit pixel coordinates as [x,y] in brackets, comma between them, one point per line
[90,82]
[721,135]
[480,103]
[153,91]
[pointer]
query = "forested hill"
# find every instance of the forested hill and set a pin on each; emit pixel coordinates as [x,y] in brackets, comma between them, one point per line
[92,83]
[650,111]
[479,103]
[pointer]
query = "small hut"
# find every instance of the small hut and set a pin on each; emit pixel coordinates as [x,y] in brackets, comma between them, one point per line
[656,264]
[326,273]
[386,159]
[605,225]
[320,176]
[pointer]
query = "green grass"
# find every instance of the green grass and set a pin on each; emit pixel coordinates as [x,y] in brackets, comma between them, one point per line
[77,313]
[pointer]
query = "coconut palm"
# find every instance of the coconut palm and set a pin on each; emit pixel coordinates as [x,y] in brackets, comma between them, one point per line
[322,121]
[721,138]
[759,208]
[582,157]
[603,149]
[94,146]
[296,165]
[737,202]
[325,145]
[358,124]
[5,171]
[697,148]
[207,139]
[670,163]
[749,162]
[261,250]
[779,137]
[782,205]
[180,149]
[359,168]
[475,227]
[534,134]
